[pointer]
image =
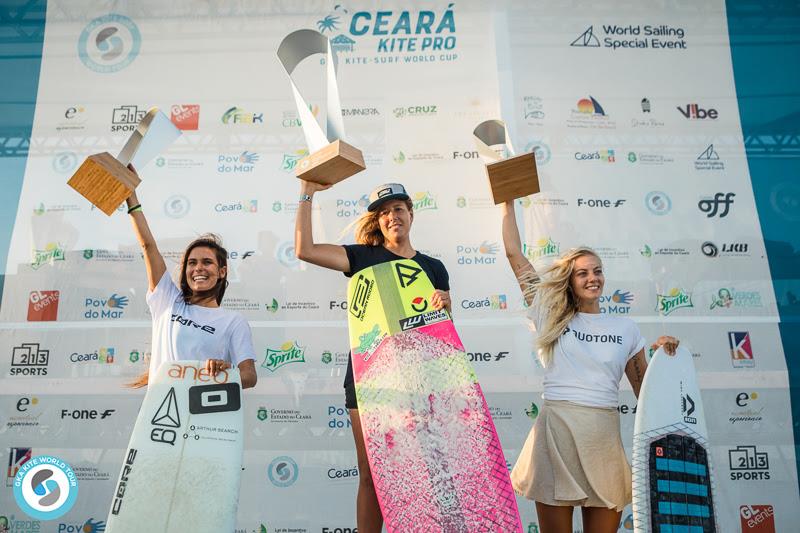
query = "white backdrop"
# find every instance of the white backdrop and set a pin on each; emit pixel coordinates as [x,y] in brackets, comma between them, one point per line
[633,116]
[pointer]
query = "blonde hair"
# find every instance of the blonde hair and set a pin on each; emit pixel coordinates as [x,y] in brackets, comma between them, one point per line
[368,229]
[557,304]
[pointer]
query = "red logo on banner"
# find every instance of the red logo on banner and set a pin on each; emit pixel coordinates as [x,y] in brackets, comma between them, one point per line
[185,116]
[43,306]
[757,518]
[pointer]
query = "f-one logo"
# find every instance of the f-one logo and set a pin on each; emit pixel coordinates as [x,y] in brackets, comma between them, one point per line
[122,484]
[360,297]
[166,420]
[339,530]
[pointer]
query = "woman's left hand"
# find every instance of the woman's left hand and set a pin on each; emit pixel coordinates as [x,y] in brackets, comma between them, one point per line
[215,366]
[670,344]
[440,299]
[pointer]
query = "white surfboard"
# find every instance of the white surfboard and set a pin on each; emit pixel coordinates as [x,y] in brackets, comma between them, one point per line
[182,467]
[673,483]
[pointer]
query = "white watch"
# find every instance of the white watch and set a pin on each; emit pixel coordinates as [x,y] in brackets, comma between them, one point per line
[304,198]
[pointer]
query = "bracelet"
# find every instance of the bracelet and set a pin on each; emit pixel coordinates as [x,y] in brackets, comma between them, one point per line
[304,198]
[137,207]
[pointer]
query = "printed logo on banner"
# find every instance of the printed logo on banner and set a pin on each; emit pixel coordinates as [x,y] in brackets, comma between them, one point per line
[757,518]
[697,112]
[747,463]
[29,359]
[125,118]
[719,205]
[600,202]
[709,160]
[467,154]
[288,416]
[291,120]
[727,298]
[43,306]
[65,162]
[103,355]
[741,349]
[495,302]
[75,118]
[607,156]
[86,414]
[658,202]
[54,251]
[645,122]
[633,36]
[45,487]
[541,249]
[418,36]
[237,115]
[89,526]
[283,471]
[16,458]
[177,206]
[532,411]
[166,420]
[237,207]
[618,303]
[749,413]
[109,308]
[288,353]
[588,113]
[351,207]
[415,111]
[728,249]
[342,474]
[533,109]
[285,255]
[482,254]
[185,116]
[237,163]
[29,414]
[648,252]
[338,417]
[423,201]
[541,151]
[675,299]
[109,43]
[290,160]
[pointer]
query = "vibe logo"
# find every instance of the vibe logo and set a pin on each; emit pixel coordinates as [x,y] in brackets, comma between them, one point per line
[719,204]
[45,487]
[283,471]
[109,43]
[695,112]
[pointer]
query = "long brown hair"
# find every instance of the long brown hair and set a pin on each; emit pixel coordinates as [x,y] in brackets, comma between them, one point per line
[208,240]
[556,301]
[368,229]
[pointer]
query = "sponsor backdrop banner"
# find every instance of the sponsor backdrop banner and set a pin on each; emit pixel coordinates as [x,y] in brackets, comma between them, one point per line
[632,115]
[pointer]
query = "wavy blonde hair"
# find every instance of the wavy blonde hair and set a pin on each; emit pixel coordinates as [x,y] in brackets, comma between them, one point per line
[368,229]
[557,304]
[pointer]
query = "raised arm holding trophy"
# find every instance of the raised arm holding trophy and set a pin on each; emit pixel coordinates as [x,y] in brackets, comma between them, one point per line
[106,181]
[511,177]
[330,158]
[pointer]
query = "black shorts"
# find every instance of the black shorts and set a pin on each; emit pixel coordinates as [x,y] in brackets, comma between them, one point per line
[350,401]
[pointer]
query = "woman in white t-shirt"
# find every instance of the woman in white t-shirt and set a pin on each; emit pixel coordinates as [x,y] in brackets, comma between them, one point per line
[573,456]
[188,322]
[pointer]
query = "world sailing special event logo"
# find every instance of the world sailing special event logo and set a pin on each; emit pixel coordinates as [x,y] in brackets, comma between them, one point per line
[109,43]
[289,352]
[390,37]
[632,36]
[45,487]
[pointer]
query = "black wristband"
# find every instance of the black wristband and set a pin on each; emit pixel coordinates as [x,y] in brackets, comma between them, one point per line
[137,207]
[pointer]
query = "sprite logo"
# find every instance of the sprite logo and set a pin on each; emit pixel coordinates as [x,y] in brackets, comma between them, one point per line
[675,299]
[543,248]
[290,160]
[327,357]
[423,201]
[51,253]
[273,307]
[532,412]
[262,413]
[366,339]
[288,353]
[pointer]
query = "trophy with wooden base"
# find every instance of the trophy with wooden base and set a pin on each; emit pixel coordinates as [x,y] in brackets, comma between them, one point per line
[510,177]
[330,158]
[106,181]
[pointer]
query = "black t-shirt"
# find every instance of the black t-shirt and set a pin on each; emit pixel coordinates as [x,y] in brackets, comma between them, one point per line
[363,256]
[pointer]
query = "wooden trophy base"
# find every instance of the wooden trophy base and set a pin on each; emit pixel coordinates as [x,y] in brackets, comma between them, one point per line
[513,178]
[104,181]
[331,164]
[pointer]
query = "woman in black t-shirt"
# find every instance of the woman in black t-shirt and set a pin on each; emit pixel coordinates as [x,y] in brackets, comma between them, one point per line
[382,234]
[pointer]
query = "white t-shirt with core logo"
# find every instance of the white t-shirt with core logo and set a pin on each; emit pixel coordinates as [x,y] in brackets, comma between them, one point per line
[193,332]
[589,359]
